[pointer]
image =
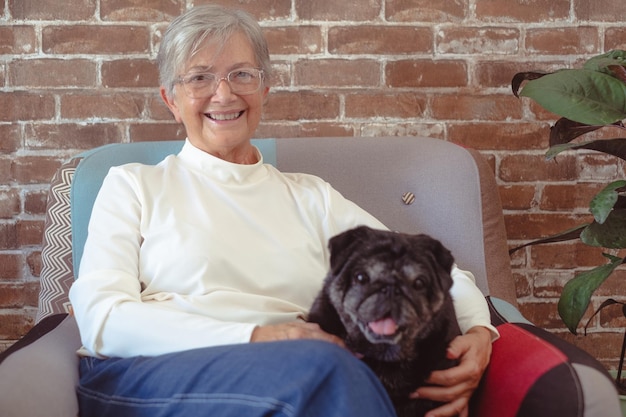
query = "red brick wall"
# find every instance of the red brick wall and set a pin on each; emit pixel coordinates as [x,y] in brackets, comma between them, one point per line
[79,73]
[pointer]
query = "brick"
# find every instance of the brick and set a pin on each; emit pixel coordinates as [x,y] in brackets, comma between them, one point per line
[426,73]
[601,346]
[522,11]
[261,9]
[156,109]
[9,134]
[18,295]
[598,166]
[568,196]
[19,105]
[302,105]
[425,11]
[500,73]
[305,129]
[34,264]
[130,73]
[475,107]
[5,169]
[499,136]
[332,10]
[156,131]
[93,39]
[11,266]
[384,40]
[125,10]
[615,38]
[524,167]
[385,104]
[281,74]
[478,40]
[71,135]
[294,40]
[17,39]
[517,197]
[10,203]
[102,105]
[8,235]
[29,232]
[35,201]
[532,226]
[566,255]
[52,9]
[337,72]
[52,73]
[16,323]
[393,128]
[542,314]
[599,10]
[563,41]
[34,169]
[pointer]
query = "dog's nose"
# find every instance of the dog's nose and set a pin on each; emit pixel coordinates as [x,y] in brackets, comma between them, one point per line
[391,290]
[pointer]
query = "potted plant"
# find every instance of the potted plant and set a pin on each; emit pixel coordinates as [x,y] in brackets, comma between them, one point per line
[587,99]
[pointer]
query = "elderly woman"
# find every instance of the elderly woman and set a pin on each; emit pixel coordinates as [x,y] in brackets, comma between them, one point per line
[190,262]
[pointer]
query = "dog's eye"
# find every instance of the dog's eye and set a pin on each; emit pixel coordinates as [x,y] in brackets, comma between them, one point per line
[419,283]
[361,278]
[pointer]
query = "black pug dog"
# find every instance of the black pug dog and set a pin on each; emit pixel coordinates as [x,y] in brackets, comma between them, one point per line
[387,295]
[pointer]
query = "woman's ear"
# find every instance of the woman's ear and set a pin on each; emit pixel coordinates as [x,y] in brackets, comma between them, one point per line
[170,103]
[266,91]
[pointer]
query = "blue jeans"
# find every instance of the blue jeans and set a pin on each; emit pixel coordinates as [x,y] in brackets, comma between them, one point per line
[301,378]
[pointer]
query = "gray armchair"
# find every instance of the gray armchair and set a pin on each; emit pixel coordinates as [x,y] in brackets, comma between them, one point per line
[412,185]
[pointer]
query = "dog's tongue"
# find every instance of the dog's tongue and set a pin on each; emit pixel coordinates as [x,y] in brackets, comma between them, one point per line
[384,327]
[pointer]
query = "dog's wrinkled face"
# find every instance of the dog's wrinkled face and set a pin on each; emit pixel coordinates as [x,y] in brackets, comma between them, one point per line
[386,288]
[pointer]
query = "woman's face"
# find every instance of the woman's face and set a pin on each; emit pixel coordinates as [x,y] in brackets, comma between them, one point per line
[221,124]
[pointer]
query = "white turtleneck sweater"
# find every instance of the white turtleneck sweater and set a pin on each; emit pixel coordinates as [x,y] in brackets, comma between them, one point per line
[197,251]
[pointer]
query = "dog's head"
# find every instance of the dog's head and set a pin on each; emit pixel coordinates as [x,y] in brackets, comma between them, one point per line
[386,288]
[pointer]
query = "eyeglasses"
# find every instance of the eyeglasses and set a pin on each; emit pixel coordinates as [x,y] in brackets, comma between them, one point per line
[204,84]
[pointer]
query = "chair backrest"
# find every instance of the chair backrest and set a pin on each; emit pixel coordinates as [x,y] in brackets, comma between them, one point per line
[455,198]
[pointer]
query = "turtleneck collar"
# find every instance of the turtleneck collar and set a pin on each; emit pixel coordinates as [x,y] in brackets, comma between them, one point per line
[219,169]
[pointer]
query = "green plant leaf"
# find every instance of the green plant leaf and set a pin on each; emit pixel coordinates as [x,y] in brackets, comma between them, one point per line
[577,292]
[610,234]
[602,203]
[605,61]
[615,147]
[581,95]
[569,234]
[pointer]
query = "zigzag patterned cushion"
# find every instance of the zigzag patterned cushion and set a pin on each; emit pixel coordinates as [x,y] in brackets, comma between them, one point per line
[56,255]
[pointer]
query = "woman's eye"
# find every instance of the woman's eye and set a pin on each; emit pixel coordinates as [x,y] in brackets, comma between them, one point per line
[198,78]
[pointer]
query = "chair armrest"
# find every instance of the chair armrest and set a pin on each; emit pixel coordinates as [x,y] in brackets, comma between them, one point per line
[38,376]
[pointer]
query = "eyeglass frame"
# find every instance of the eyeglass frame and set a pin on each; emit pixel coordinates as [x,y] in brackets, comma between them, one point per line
[184,80]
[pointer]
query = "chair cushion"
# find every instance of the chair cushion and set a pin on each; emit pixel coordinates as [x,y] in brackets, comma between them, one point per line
[56,254]
[38,377]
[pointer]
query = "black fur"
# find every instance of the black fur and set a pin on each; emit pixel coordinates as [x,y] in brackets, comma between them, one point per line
[387,295]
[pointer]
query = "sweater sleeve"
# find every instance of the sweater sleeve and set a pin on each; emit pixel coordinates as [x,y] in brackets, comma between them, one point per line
[106,298]
[469,303]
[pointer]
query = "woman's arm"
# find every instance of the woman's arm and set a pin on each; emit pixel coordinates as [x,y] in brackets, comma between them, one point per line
[106,298]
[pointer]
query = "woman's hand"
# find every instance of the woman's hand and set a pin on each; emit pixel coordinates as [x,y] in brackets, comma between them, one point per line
[291,331]
[455,386]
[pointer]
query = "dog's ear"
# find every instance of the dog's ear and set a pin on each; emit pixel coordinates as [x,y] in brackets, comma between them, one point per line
[342,246]
[442,255]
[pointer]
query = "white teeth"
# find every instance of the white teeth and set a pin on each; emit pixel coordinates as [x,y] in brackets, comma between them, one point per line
[222,117]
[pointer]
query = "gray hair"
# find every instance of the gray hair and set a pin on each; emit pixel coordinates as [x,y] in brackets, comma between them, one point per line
[186,34]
